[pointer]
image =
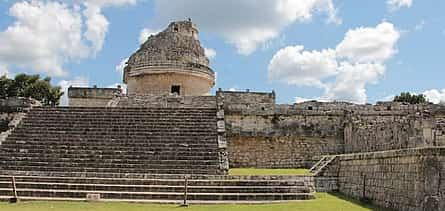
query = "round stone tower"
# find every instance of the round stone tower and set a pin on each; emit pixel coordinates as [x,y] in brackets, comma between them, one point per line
[171,62]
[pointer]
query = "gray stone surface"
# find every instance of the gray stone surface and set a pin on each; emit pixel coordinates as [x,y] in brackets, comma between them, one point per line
[409,179]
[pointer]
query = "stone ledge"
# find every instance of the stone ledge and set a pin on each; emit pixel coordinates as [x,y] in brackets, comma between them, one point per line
[422,151]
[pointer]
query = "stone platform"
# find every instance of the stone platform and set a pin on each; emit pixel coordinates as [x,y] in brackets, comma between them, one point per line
[130,154]
[157,188]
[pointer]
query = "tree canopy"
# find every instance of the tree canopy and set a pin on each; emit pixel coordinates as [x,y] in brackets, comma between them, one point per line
[407,97]
[32,86]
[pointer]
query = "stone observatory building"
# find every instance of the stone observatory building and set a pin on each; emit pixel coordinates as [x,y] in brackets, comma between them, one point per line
[171,62]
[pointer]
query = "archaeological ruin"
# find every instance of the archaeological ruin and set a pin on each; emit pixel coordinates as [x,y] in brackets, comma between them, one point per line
[168,139]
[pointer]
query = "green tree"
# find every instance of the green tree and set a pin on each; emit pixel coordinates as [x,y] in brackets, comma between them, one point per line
[407,97]
[32,86]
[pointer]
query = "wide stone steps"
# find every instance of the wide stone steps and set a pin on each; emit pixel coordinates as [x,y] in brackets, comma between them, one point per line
[111,128]
[143,142]
[104,149]
[169,180]
[107,161]
[114,140]
[108,110]
[128,158]
[117,142]
[104,154]
[172,132]
[189,141]
[157,164]
[209,170]
[105,137]
[154,188]
[206,189]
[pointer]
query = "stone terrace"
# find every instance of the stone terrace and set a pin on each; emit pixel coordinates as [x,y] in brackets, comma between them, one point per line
[130,154]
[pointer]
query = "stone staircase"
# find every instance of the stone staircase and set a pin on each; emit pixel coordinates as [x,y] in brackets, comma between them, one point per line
[115,140]
[130,154]
[160,188]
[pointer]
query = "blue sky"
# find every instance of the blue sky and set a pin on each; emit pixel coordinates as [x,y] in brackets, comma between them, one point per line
[358,51]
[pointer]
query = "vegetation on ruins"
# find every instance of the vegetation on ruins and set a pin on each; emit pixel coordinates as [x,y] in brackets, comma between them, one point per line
[406,97]
[31,86]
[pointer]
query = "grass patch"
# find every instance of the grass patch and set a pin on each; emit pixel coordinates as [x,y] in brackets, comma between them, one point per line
[324,202]
[254,171]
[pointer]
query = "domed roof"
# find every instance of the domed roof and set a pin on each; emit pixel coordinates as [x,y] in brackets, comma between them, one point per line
[177,46]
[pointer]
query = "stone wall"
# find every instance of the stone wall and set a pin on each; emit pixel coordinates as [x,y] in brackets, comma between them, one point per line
[278,152]
[410,179]
[296,135]
[165,101]
[263,134]
[91,97]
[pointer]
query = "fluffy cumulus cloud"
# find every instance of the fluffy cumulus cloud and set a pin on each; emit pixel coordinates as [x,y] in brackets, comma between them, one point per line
[295,66]
[244,23]
[47,34]
[435,96]
[369,44]
[357,61]
[76,82]
[350,84]
[210,52]
[396,4]
[43,36]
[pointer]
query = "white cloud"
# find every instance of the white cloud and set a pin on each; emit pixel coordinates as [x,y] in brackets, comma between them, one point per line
[46,35]
[145,33]
[350,84]
[96,23]
[435,96]
[120,68]
[43,37]
[244,23]
[76,82]
[369,44]
[210,53]
[97,27]
[361,56]
[396,4]
[295,66]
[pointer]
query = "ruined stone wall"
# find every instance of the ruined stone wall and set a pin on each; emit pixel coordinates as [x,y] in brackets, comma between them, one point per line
[173,101]
[262,134]
[88,102]
[296,135]
[396,127]
[91,97]
[411,179]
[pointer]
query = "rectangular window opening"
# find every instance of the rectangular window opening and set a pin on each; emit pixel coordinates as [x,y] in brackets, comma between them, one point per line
[176,89]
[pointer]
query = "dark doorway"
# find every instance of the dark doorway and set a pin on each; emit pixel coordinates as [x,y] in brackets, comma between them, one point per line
[176,89]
